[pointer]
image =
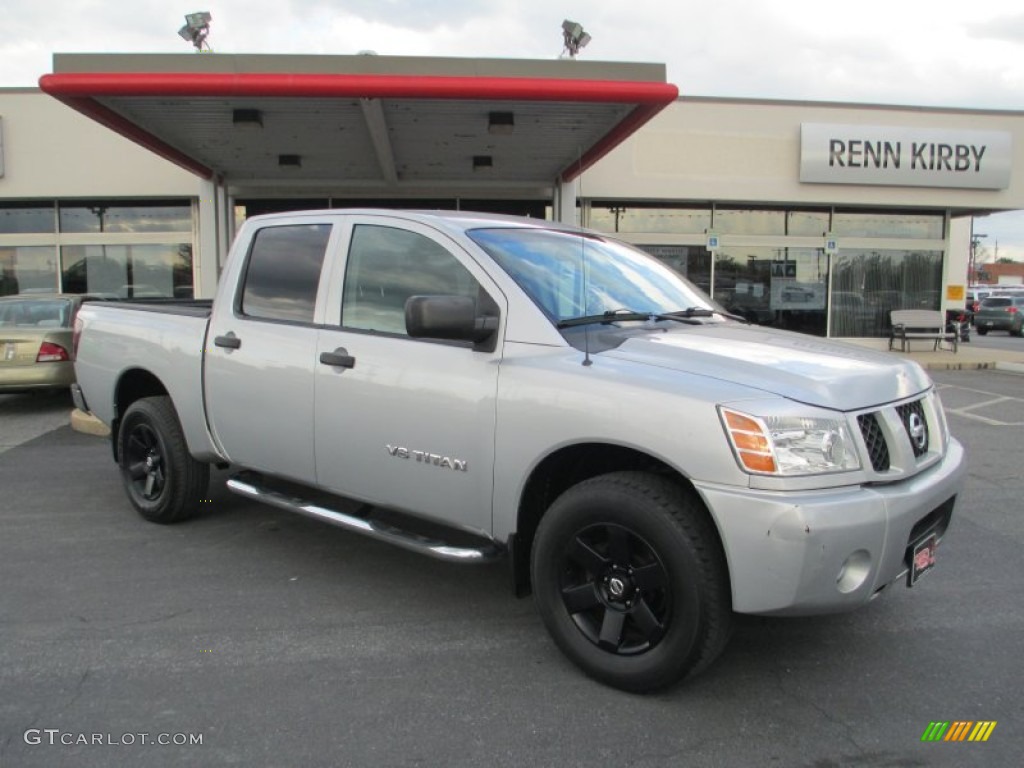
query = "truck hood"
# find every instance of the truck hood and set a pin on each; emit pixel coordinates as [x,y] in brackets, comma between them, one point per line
[807,369]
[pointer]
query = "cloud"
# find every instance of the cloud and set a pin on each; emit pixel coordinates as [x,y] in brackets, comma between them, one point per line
[1009,28]
[407,14]
[1005,230]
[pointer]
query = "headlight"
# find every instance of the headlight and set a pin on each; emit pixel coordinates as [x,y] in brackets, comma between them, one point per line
[790,445]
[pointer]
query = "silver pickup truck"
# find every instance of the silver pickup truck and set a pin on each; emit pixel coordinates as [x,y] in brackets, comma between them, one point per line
[472,386]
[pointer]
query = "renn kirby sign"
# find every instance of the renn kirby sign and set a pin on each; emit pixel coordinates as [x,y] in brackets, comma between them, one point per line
[906,157]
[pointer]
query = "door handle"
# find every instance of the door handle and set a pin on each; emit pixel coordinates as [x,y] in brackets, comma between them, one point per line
[339,358]
[230,341]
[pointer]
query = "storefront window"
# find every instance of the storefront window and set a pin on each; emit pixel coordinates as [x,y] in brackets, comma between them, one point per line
[868,285]
[780,287]
[923,226]
[28,268]
[128,271]
[96,216]
[616,217]
[742,282]
[26,217]
[799,287]
[691,261]
[749,221]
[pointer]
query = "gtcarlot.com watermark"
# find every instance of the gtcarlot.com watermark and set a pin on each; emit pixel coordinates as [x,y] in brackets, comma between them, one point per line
[57,737]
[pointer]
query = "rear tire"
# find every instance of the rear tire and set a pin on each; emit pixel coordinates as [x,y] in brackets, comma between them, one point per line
[163,482]
[631,582]
[981,331]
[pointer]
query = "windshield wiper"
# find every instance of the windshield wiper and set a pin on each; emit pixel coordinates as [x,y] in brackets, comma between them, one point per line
[611,316]
[700,312]
[688,316]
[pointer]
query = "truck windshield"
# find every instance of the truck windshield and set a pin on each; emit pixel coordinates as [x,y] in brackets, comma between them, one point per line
[572,275]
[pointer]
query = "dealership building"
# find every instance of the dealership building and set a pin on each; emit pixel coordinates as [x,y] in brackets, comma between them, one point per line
[128,174]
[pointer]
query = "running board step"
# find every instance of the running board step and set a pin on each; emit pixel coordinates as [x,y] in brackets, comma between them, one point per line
[252,487]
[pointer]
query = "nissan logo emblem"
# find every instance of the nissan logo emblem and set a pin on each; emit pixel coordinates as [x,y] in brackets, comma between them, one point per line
[917,430]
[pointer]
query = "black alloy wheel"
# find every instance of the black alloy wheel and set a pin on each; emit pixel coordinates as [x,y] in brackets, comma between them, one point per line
[144,462]
[163,482]
[631,581]
[616,589]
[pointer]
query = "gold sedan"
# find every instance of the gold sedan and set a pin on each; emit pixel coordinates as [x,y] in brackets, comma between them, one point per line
[36,350]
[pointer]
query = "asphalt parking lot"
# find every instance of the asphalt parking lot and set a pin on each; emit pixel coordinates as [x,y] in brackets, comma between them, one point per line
[282,642]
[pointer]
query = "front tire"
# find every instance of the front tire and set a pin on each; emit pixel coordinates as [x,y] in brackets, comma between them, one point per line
[631,582]
[163,482]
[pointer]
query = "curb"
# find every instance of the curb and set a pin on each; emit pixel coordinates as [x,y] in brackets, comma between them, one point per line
[974,365]
[1010,367]
[88,424]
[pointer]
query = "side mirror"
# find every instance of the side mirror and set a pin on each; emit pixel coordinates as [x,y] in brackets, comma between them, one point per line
[449,317]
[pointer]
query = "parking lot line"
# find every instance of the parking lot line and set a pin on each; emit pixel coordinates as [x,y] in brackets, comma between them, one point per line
[967,411]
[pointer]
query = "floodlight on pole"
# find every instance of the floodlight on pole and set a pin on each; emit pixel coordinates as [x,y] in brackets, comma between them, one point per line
[574,37]
[197,27]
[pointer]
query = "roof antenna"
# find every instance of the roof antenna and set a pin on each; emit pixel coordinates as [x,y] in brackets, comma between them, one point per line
[586,328]
[583,261]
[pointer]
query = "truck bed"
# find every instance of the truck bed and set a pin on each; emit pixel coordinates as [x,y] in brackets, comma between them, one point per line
[162,338]
[187,307]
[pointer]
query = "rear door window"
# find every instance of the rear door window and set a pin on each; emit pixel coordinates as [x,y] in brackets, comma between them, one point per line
[283,272]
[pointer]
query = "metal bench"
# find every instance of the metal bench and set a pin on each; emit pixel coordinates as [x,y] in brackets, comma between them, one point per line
[928,324]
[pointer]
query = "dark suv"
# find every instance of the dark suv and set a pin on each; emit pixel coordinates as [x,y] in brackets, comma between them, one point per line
[1000,313]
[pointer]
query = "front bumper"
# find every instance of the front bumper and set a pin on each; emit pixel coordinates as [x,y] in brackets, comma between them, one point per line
[808,552]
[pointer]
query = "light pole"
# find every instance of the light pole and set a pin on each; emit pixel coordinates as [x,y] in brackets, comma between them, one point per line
[972,272]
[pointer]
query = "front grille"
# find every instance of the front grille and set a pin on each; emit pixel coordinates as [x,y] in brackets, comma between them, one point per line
[912,416]
[871,430]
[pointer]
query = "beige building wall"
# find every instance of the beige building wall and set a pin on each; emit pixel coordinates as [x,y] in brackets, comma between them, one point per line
[731,150]
[52,151]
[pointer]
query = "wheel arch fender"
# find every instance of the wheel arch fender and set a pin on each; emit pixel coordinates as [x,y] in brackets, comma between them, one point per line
[570,465]
[133,384]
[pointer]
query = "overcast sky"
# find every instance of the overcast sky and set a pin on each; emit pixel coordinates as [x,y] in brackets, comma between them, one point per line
[917,52]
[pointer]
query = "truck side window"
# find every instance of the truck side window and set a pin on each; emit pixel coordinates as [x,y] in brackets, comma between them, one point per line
[386,266]
[283,272]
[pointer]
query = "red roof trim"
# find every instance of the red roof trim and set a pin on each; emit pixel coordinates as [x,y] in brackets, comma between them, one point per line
[80,90]
[92,85]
